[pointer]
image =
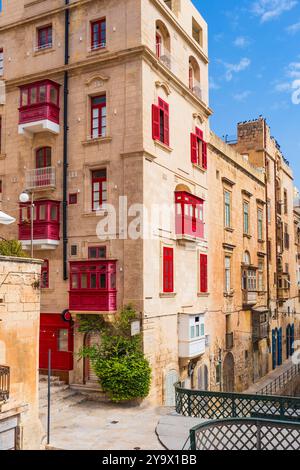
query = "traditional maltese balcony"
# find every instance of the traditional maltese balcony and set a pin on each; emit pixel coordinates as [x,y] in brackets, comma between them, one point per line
[191,336]
[189,217]
[46,225]
[93,286]
[4,383]
[39,108]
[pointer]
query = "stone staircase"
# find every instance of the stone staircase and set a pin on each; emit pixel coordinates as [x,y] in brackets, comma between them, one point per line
[62,396]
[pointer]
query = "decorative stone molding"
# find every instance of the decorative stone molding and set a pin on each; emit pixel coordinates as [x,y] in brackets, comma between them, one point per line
[163,85]
[199,116]
[99,79]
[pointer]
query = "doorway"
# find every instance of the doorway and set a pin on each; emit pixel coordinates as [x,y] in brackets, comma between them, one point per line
[170,380]
[228,373]
[90,378]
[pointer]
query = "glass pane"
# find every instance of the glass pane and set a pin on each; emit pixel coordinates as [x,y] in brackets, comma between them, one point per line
[53,95]
[197,331]
[53,213]
[42,212]
[24,97]
[102,281]
[63,336]
[113,281]
[33,96]
[75,281]
[43,93]
[83,281]
[93,281]
[192,332]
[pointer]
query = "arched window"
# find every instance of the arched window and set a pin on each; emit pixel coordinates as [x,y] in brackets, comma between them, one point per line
[194,77]
[43,157]
[163,43]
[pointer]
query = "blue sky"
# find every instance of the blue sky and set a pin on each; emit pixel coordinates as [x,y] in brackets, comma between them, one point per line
[254,48]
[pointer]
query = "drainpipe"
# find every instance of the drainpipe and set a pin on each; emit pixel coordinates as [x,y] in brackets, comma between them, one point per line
[65,146]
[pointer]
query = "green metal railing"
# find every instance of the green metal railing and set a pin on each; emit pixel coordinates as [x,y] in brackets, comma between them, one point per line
[4,383]
[218,405]
[246,434]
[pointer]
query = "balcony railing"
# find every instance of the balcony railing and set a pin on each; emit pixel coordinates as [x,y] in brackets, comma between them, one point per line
[165,58]
[43,47]
[4,383]
[229,341]
[98,46]
[41,178]
[197,90]
[280,382]
[245,434]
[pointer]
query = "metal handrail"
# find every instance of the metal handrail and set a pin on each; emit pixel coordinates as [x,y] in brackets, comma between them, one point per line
[221,405]
[4,383]
[278,383]
[246,434]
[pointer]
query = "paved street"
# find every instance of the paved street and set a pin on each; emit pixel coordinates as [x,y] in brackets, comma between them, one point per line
[101,426]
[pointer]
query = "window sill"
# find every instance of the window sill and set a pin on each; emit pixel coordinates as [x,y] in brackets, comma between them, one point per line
[199,167]
[43,51]
[96,51]
[229,229]
[163,146]
[203,294]
[164,295]
[97,140]
[95,213]
[246,235]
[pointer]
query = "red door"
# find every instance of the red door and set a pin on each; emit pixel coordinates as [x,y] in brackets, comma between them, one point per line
[57,335]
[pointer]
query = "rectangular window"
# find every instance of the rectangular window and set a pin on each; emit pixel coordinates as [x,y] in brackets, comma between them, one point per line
[63,340]
[96,252]
[261,276]
[160,122]
[198,149]
[99,189]
[1,63]
[45,275]
[203,274]
[285,201]
[269,212]
[98,34]
[197,32]
[197,329]
[260,224]
[168,270]
[74,250]
[158,45]
[44,35]
[227,208]
[246,217]
[73,198]
[227,274]
[251,283]
[98,116]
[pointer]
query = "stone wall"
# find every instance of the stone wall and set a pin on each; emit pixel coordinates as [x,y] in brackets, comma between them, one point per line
[19,344]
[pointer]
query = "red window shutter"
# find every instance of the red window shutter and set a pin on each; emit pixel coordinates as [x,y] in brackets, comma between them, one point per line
[194,148]
[168,270]
[155,122]
[204,155]
[203,274]
[199,133]
[167,125]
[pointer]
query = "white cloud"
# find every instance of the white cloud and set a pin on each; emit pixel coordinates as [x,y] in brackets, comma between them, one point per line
[293,70]
[231,69]
[241,41]
[213,85]
[294,28]
[283,87]
[269,10]
[242,96]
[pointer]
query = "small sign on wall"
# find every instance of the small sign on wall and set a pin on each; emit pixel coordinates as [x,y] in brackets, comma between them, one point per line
[135,328]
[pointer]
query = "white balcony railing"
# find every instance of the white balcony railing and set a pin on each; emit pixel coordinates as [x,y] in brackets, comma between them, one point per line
[42,47]
[95,47]
[41,178]
[165,58]
[197,90]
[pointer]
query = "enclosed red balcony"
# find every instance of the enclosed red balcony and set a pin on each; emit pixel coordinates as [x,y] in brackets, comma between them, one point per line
[189,216]
[39,107]
[93,286]
[45,225]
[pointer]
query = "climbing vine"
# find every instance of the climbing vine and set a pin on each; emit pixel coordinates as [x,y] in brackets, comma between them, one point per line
[118,360]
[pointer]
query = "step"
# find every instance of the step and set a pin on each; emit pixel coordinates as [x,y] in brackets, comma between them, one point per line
[57,383]
[53,391]
[44,378]
[62,404]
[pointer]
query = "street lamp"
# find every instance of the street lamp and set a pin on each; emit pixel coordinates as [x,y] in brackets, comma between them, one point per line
[24,198]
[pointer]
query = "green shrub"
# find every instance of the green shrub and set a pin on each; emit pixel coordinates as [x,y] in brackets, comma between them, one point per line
[12,248]
[118,361]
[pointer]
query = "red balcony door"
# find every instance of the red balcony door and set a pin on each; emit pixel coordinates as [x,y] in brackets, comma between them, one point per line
[43,161]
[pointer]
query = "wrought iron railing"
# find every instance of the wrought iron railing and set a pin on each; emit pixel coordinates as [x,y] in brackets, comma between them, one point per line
[40,178]
[219,405]
[4,383]
[246,434]
[280,382]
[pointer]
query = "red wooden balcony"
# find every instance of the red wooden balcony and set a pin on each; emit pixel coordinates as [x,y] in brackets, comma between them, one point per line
[45,225]
[189,216]
[39,107]
[93,286]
